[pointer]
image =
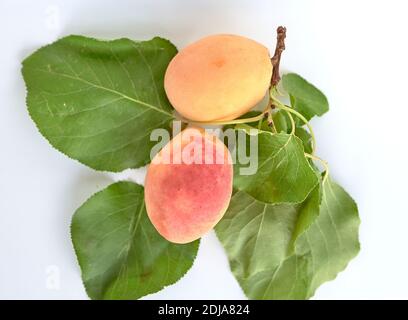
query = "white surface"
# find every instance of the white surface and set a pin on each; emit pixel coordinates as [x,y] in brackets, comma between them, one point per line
[355,51]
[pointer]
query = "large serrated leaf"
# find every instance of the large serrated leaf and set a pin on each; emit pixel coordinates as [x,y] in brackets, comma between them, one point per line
[332,240]
[287,251]
[97,101]
[283,174]
[120,253]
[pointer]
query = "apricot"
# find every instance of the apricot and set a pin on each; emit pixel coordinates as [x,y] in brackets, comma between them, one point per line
[219,77]
[188,185]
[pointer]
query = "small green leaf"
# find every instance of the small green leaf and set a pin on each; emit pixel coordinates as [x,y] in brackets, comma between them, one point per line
[120,253]
[305,97]
[283,175]
[306,138]
[282,124]
[287,251]
[97,101]
[281,121]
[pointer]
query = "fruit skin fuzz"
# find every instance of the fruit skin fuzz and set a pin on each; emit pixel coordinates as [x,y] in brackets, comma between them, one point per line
[188,185]
[218,78]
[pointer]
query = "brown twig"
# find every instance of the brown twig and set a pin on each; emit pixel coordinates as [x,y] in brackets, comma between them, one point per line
[270,120]
[280,46]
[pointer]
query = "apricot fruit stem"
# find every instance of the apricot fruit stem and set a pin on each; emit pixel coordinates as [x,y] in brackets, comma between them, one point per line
[281,106]
[236,121]
[270,120]
[292,122]
[260,122]
[275,60]
[276,103]
[323,162]
[256,118]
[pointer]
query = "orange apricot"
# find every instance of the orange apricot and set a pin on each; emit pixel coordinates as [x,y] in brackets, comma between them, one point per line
[219,77]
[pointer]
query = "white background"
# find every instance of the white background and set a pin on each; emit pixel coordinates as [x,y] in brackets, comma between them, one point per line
[355,51]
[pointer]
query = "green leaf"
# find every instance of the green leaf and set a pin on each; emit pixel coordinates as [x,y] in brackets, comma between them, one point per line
[287,251]
[332,241]
[305,97]
[120,253]
[281,121]
[282,124]
[97,101]
[283,175]
[306,138]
